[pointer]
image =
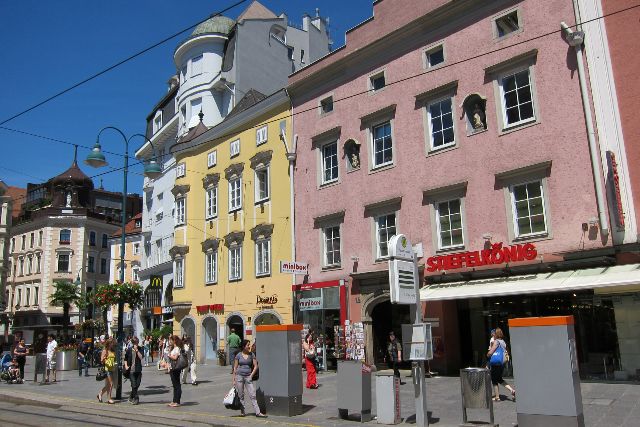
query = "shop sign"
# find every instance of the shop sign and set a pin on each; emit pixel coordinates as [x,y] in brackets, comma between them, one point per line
[270,300]
[294,267]
[167,309]
[403,271]
[494,256]
[216,307]
[311,303]
[155,282]
[615,180]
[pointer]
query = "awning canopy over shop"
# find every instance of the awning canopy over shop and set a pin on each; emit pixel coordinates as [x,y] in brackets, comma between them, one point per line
[589,278]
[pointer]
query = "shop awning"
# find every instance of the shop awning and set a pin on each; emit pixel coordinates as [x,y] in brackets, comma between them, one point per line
[588,278]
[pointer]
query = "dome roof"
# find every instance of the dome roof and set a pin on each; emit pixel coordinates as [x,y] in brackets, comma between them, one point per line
[217,24]
[75,175]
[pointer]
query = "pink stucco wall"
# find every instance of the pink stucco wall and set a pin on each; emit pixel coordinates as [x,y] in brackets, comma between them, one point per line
[558,136]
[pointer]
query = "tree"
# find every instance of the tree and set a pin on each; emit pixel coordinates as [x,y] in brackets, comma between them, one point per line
[65,294]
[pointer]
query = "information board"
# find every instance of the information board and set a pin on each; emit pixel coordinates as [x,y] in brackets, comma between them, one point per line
[417,342]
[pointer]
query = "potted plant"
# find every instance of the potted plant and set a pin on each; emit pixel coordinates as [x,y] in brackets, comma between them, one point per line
[66,293]
[66,358]
[222,357]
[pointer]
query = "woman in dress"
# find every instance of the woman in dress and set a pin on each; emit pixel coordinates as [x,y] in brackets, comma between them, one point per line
[497,368]
[108,360]
[309,349]
[245,366]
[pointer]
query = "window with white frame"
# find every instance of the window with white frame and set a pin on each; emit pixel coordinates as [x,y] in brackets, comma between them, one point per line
[440,118]
[331,246]
[103,266]
[211,263]
[377,81]
[63,263]
[38,261]
[330,162]
[36,300]
[181,170]
[30,264]
[28,302]
[385,229]
[180,211]
[159,215]
[517,98]
[235,263]
[157,122]
[449,222]
[507,24]
[196,66]
[263,257]
[212,159]
[235,194]
[179,273]
[40,235]
[135,274]
[92,238]
[528,209]
[136,248]
[19,300]
[105,240]
[382,145]
[326,105]
[23,240]
[32,238]
[21,266]
[435,56]
[91,264]
[195,109]
[211,202]
[234,148]
[65,237]
[262,184]
[261,135]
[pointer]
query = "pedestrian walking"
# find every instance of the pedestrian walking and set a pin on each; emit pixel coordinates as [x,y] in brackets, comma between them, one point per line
[20,353]
[146,346]
[52,349]
[165,352]
[310,353]
[108,360]
[176,348]
[233,344]
[245,365]
[394,354]
[190,351]
[133,363]
[497,357]
[81,355]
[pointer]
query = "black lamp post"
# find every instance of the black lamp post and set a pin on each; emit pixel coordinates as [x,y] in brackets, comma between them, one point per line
[151,170]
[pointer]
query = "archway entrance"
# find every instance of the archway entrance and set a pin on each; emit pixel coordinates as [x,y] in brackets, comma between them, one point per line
[267,319]
[236,323]
[188,328]
[387,317]
[209,339]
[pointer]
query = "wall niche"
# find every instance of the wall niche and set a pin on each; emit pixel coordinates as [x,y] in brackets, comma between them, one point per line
[474,108]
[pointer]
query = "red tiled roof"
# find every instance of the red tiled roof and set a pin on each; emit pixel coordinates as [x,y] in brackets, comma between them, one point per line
[130,228]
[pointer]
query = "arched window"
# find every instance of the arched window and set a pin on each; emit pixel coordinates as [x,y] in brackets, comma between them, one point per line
[65,236]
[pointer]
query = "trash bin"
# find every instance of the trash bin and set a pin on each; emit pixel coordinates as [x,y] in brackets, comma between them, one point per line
[387,397]
[40,366]
[354,389]
[475,387]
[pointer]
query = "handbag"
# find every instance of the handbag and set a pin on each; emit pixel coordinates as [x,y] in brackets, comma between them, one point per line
[101,374]
[232,400]
[180,363]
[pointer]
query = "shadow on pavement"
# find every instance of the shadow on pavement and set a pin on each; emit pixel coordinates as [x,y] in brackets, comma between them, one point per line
[411,419]
[155,391]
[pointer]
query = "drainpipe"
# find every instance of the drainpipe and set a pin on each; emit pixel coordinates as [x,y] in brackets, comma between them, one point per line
[291,156]
[575,39]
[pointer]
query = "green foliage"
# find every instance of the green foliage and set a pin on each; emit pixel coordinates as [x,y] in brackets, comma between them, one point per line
[110,294]
[157,333]
[67,293]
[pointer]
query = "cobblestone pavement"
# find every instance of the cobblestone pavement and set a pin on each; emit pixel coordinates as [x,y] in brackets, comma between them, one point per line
[72,401]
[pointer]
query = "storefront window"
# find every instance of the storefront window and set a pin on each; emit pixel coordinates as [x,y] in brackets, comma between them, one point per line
[319,309]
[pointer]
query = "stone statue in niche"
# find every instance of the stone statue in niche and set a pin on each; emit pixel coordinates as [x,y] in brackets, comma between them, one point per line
[478,117]
[352,152]
[68,205]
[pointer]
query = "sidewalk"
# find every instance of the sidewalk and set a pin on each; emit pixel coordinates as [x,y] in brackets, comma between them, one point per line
[604,404]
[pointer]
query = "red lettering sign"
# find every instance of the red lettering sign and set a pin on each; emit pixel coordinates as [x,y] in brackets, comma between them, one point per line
[494,256]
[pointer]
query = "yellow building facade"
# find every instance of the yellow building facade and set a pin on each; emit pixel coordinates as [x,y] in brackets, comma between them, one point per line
[233,224]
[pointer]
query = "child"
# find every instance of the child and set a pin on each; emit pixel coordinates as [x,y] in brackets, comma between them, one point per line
[14,372]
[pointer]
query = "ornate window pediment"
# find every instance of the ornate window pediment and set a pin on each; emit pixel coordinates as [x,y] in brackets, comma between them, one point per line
[263,231]
[210,180]
[262,158]
[178,251]
[180,190]
[234,170]
[210,244]
[235,238]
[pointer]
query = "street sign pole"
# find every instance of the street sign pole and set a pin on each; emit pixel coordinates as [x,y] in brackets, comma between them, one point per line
[403,269]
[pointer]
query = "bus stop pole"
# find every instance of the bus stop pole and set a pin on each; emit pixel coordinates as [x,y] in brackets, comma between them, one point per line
[419,382]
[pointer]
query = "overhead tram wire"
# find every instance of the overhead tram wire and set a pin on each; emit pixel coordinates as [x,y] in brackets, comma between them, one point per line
[230,134]
[121,62]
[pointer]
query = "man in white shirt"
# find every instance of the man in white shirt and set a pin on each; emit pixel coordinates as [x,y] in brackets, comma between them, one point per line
[52,348]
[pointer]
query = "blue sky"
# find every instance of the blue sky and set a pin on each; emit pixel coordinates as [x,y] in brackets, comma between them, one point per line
[47,46]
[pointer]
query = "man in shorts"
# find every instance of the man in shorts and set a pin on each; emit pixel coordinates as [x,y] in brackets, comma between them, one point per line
[52,348]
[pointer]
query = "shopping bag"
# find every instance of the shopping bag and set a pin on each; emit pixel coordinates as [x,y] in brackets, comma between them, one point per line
[232,400]
[497,358]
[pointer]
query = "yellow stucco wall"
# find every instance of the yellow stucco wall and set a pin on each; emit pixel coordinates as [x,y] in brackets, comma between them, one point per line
[241,296]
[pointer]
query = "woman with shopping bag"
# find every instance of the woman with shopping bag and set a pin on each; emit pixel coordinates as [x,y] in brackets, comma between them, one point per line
[498,356]
[245,366]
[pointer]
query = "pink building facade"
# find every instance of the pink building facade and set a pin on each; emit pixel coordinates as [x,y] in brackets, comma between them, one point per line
[460,125]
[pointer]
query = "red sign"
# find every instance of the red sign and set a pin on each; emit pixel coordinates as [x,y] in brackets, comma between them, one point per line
[494,256]
[216,307]
[615,178]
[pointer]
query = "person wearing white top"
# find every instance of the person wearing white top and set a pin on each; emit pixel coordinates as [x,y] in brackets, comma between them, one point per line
[52,347]
[189,349]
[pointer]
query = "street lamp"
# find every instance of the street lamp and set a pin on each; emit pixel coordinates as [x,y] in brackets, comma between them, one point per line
[152,170]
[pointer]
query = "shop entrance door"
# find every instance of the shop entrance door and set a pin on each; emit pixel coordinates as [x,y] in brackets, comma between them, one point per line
[209,342]
[387,317]
[235,322]
[189,328]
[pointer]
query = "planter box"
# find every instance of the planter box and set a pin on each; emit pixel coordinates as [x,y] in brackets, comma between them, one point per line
[66,361]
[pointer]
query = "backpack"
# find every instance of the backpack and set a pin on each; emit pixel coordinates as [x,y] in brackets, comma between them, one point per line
[499,356]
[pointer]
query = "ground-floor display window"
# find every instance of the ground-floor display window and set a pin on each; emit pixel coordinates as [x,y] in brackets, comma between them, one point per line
[606,325]
[319,311]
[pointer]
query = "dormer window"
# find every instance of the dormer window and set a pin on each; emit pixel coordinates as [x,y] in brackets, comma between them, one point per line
[157,122]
